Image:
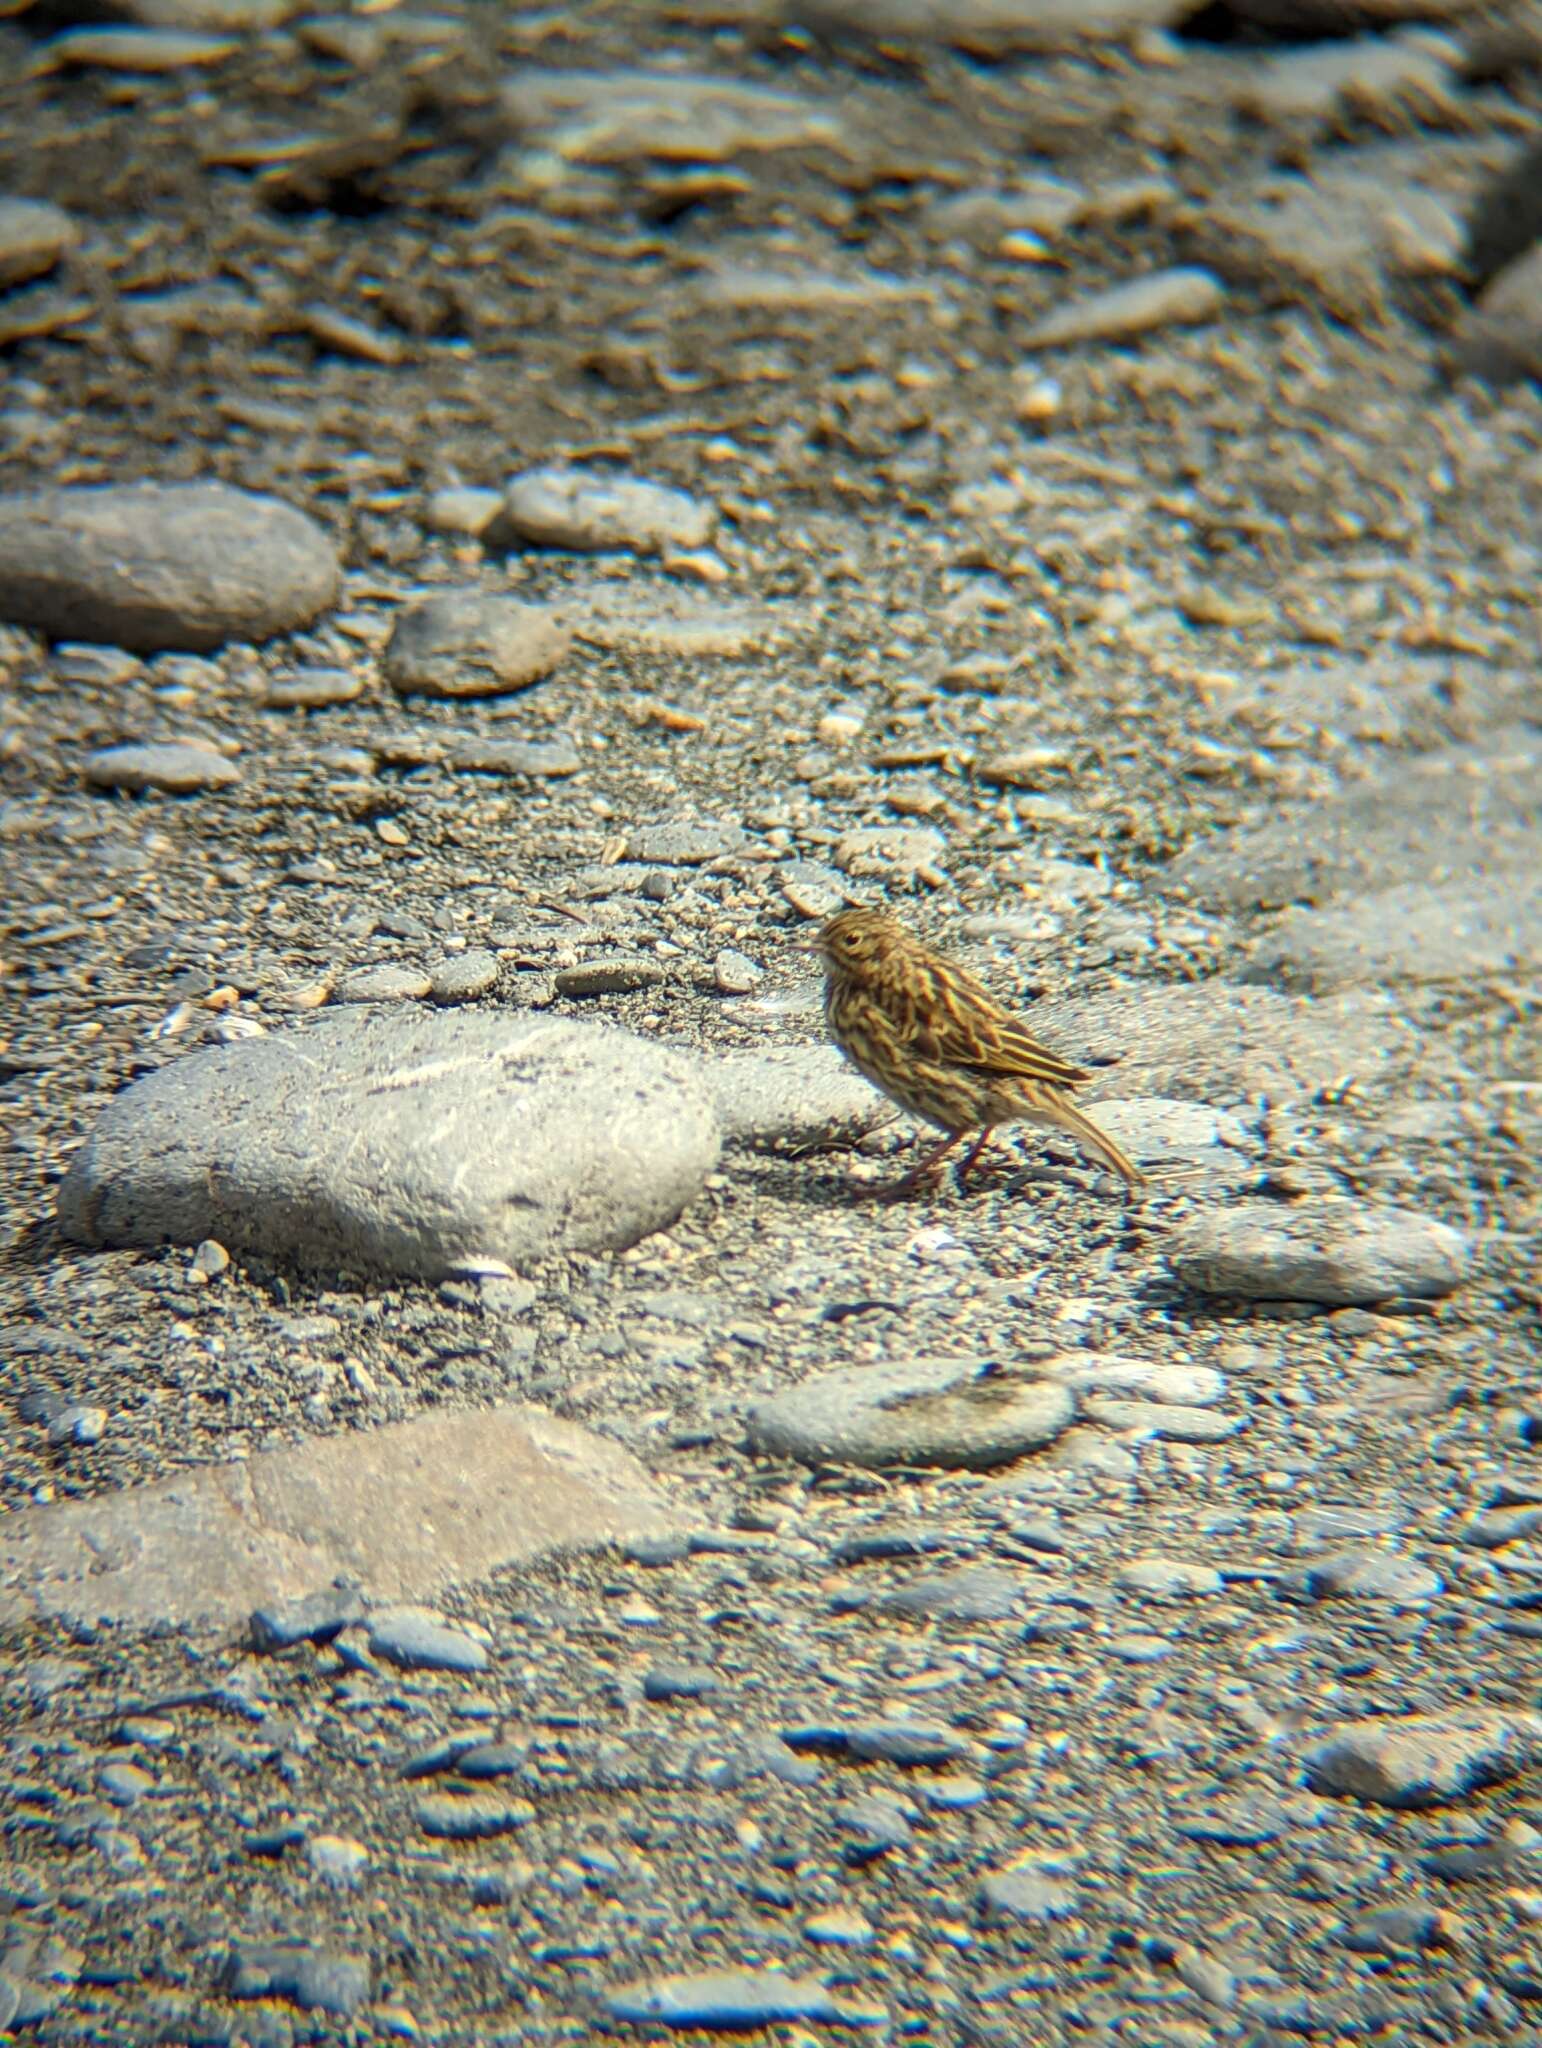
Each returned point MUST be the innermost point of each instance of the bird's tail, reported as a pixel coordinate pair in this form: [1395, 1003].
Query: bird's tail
[1099, 1144]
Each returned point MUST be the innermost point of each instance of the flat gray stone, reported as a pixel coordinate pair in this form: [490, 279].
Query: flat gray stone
[1169, 1578]
[1037, 1888]
[1144, 1380]
[1216, 1042]
[173, 767]
[1337, 1253]
[736, 2000]
[1419, 1760]
[798, 1097]
[404, 1510]
[34, 234]
[126, 48]
[1174, 1421]
[1480, 924]
[616, 116]
[1167, 298]
[590, 511]
[522, 760]
[313, 1978]
[913, 1412]
[985, 28]
[1365, 1572]
[1425, 819]
[472, 643]
[416, 1640]
[404, 1141]
[158, 567]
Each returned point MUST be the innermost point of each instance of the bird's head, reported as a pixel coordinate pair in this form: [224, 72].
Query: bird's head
[853, 939]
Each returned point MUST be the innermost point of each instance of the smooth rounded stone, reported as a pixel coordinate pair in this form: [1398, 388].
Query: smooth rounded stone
[912, 1412]
[405, 1141]
[972, 1593]
[388, 984]
[618, 975]
[417, 1640]
[469, 1493]
[1420, 1760]
[685, 842]
[1169, 1578]
[983, 28]
[463, 511]
[172, 767]
[590, 512]
[1336, 1253]
[1168, 298]
[1138, 1648]
[1140, 1379]
[890, 852]
[1401, 1931]
[525, 760]
[1167, 1420]
[839, 1927]
[34, 235]
[464, 978]
[679, 1682]
[337, 1860]
[1371, 1574]
[737, 2000]
[472, 643]
[313, 1978]
[1033, 1888]
[619, 116]
[308, 689]
[913, 1745]
[77, 1424]
[1474, 926]
[124, 1784]
[161, 567]
[870, 1827]
[797, 1098]
[1094, 1452]
[127, 48]
[472, 1815]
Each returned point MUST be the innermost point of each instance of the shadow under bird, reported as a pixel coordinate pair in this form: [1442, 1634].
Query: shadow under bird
[935, 1040]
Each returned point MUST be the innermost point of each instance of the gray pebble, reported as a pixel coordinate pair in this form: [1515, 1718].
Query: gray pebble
[1331, 1252]
[472, 643]
[420, 1641]
[589, 510]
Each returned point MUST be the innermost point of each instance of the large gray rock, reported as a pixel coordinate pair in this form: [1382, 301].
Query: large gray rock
[404, 1510]
[153, 567]
[1422, 820]
[1425, 1759]
[408, 1142]
[913, 1412]
[1337, 1253]
[1476, 926]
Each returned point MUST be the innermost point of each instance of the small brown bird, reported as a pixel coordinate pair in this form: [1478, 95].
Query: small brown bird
[938, 1043]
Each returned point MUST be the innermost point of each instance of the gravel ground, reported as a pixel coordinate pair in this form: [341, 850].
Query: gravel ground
[756, 460]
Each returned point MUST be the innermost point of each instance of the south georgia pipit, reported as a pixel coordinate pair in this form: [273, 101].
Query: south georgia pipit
[934, 1040]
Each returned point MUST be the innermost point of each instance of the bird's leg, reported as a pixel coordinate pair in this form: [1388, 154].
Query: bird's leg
[973, 1153]
[925, 1170]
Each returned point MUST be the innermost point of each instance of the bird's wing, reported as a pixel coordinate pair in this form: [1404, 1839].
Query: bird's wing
[960, 1024]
